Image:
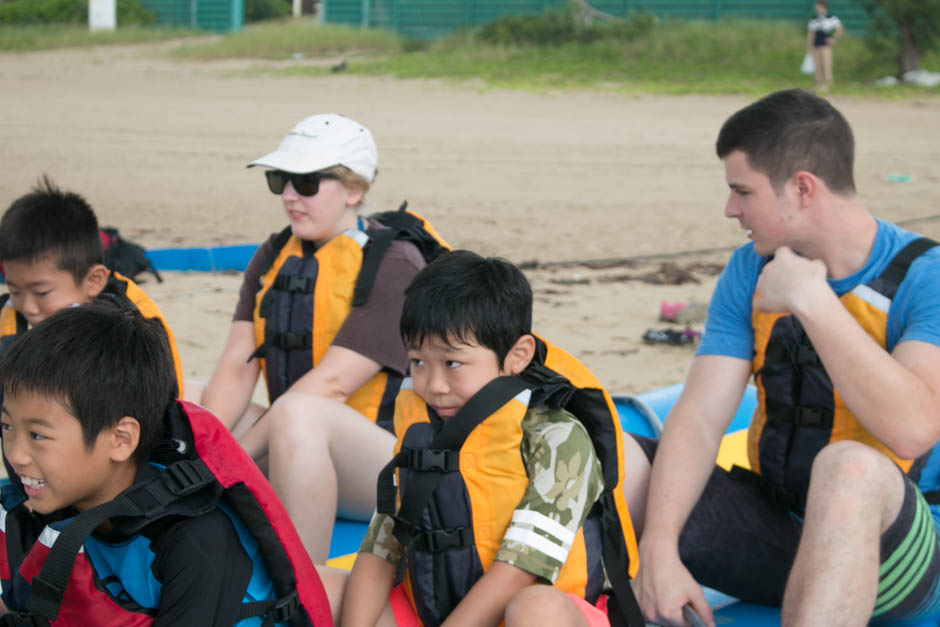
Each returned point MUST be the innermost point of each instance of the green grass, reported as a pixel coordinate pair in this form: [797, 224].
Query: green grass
[663, 56]
[29, 38]
[281, 40]
[674, 57]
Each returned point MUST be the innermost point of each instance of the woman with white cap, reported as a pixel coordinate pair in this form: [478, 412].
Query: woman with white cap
[332, 366]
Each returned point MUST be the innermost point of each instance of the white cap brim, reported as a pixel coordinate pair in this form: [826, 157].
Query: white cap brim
[293, 162]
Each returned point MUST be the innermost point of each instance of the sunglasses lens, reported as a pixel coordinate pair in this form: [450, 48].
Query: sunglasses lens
[306, 184]
[276, 181]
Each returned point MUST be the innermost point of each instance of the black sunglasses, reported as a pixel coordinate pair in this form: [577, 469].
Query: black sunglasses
[304, 184]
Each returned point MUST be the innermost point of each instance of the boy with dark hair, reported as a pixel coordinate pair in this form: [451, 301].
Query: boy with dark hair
[837, 316]
[52, 257]
[132, 516]
[509, 487]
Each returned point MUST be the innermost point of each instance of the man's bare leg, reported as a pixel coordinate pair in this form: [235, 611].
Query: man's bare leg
[855, 494]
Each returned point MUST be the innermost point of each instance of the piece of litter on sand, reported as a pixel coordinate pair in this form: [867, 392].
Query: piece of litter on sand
[671, 336]
[899, 178]
[683, 313]
[924, 78]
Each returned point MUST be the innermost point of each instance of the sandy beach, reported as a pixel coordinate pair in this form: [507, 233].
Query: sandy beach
[629, 184]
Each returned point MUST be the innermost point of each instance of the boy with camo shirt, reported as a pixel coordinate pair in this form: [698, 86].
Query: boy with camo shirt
[509, 532]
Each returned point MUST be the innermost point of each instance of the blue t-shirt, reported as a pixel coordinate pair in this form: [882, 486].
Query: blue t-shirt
[914, 312]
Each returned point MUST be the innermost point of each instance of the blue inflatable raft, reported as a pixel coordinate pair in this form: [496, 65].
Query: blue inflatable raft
[643, 415]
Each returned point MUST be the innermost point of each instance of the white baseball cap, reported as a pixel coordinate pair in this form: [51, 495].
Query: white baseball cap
[322, 141]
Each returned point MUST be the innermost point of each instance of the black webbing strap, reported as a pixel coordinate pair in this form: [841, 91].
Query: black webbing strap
[888, 281]
[617, 563]
[274, 611]
[793, 499]
[22, 619]
[932, 497]
[294, 283]
[453, 433]
[440, 540]
[379, 241]
[145, 500]
[279, 242]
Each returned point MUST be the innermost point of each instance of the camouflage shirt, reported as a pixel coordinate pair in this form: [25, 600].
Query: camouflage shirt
[565, 481]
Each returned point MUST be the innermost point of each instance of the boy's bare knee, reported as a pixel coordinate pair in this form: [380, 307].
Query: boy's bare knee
[541, 605]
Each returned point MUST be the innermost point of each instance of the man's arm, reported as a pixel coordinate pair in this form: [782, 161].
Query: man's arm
[684, 460]
[896, 395]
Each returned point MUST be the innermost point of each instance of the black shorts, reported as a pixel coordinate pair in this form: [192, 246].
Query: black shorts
[740, 542]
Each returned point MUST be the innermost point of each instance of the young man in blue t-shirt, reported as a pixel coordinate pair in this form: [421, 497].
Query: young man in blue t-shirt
[836, 315]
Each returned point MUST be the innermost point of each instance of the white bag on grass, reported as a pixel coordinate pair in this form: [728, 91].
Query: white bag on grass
[808, 67]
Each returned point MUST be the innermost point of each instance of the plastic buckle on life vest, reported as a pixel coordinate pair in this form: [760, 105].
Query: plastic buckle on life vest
[443, 539]
[283, 609]
[810, 417]
[186, 477]
[294, 283]
[289, 341]
[807, 355]
[427, 459]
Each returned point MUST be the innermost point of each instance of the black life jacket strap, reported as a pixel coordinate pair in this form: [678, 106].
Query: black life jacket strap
[146, 501]
[891, 277]
[440, 540]
[626, 610]
[932, 497]
[293, 283]
[274, 611]
[22, 619]
[279, 242]
[452, 435]
[379, 241]
[792, 499]
[284, 340]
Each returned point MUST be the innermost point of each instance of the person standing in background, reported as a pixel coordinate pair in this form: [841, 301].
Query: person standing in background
[822, 32]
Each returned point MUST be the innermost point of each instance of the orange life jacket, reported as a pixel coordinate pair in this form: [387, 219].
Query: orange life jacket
[308, 292]
[798, 410]
[459, 482]
[12, 323]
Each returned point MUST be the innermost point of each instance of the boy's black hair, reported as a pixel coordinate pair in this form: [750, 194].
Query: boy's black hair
[792, 130]
[102, 362]
[463, 296]
[50, 222]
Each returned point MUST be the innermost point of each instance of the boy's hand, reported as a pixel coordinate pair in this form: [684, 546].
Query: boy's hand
[788, 282]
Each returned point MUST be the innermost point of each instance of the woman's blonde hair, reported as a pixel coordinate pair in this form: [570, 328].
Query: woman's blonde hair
[351, 180]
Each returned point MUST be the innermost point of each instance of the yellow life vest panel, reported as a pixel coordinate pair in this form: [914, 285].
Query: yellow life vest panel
[798, 410]
[452, 487]
[307, 293]
[12, 323]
